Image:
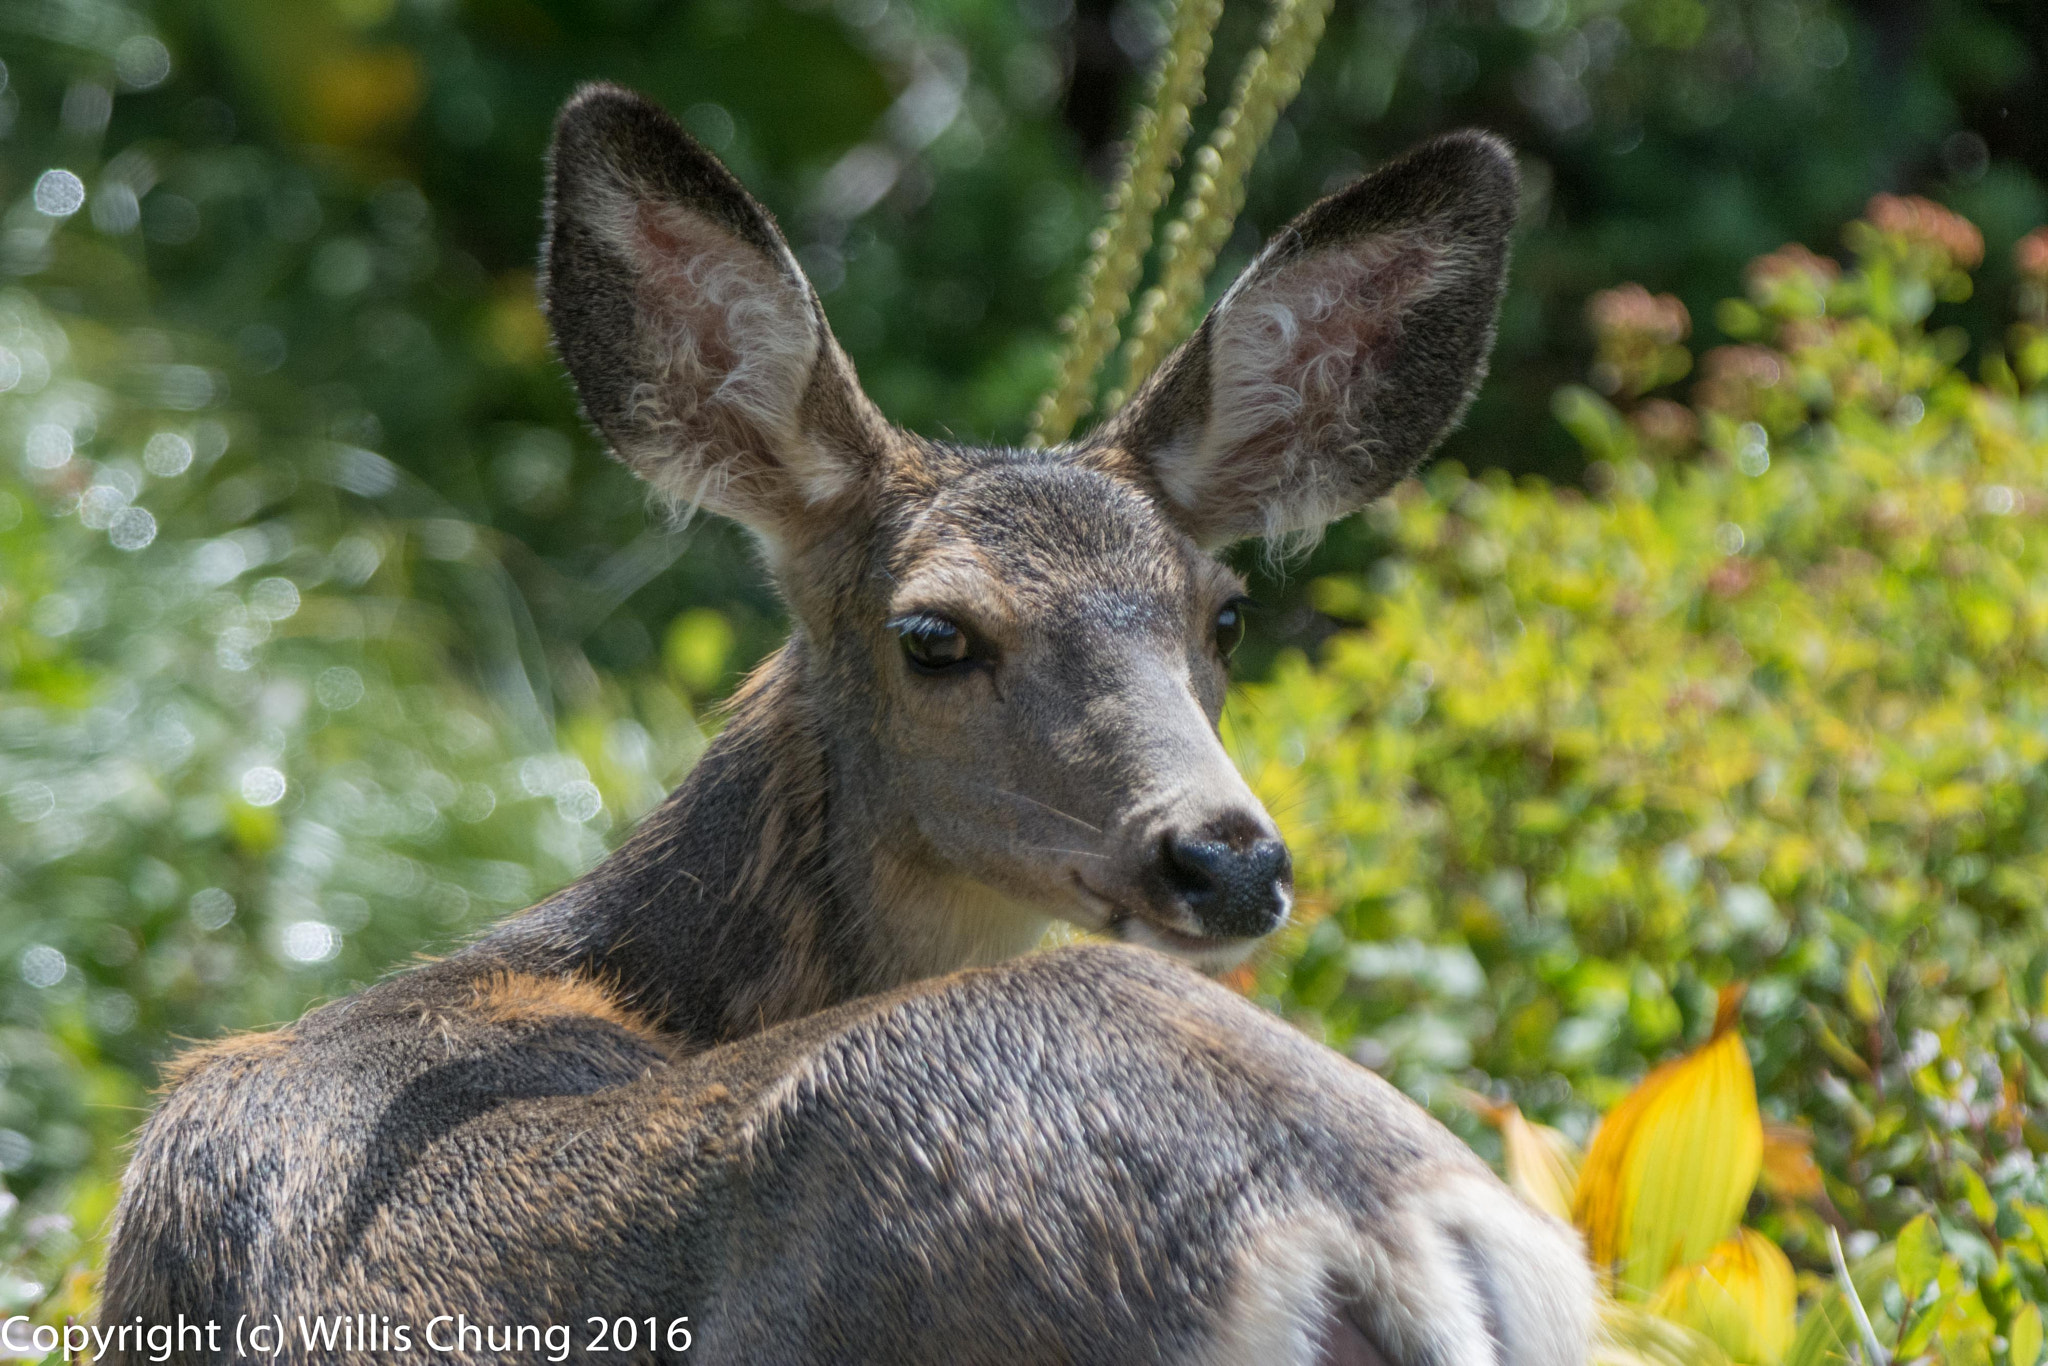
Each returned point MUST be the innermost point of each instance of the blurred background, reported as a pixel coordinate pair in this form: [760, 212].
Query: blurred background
[328, 632]
[343, 195]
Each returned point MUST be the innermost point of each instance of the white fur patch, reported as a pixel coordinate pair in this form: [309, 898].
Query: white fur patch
[1216, 958]
[1460, 1260]
[1539, 1282]
[1277, 1306]
[940, 924]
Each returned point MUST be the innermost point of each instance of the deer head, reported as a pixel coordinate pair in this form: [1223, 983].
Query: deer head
[1016, 659]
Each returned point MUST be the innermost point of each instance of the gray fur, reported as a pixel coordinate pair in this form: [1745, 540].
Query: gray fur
[1453, 199]
[770, 1065]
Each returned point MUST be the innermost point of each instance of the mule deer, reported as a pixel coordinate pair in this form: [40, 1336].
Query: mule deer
[738, 1073]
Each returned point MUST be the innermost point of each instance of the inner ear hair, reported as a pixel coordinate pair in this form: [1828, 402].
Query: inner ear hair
[1340, 358]
[697, 346]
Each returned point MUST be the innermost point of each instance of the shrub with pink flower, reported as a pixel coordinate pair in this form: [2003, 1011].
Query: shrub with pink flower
[1639, 340]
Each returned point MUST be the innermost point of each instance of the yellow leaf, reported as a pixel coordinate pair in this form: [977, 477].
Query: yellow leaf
[1789, 1171]
[1542, 1164]
[2023, 1343]
[1742, 1297]
[1629, 1335]
[1673, 1165]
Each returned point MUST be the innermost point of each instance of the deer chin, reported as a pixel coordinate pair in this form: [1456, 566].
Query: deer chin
[1197, 951]
[1206, 953]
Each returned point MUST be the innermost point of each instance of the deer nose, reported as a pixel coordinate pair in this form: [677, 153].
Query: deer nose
[1236, 888]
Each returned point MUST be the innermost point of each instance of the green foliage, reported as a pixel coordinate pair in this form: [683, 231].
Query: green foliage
[1770, 708]
[1577, 762]
[1667, 142]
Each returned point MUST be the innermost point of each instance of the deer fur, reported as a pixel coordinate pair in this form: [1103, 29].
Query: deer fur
[782, 1063]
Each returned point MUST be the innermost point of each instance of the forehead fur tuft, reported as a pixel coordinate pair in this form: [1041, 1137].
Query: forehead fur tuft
[1046, 525]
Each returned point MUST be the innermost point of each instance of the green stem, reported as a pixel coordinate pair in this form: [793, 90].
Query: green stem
[1267, 85]
[1120, 244]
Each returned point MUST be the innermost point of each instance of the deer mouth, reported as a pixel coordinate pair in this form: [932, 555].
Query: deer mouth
[1211, 953]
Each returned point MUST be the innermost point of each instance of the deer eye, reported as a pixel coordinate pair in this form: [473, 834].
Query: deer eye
[932, 644]
[1230, 626]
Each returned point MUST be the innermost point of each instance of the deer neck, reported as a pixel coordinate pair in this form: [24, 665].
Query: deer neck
[762, 890]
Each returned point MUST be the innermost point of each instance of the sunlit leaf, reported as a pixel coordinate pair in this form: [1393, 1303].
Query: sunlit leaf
[1671, 1168]
[1976, 1195]
[1919, 1256]
[1630, 1335]
[699, 648]
[1542, 1164]
[2037, 1223]
[2023, 1342]
[1919, 1328]
[1742, 1297]
[255, 829]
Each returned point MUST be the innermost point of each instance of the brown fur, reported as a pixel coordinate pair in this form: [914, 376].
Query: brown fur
[236, 1050]
[511, 997]
[781, 1063]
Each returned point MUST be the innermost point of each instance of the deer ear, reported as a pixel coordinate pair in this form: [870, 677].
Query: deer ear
[696, 344]
[1341, 356]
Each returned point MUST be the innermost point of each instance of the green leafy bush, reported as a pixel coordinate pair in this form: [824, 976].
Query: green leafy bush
[1772, 706]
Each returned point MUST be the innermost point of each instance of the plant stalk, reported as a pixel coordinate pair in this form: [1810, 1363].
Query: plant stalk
[1121, 243]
